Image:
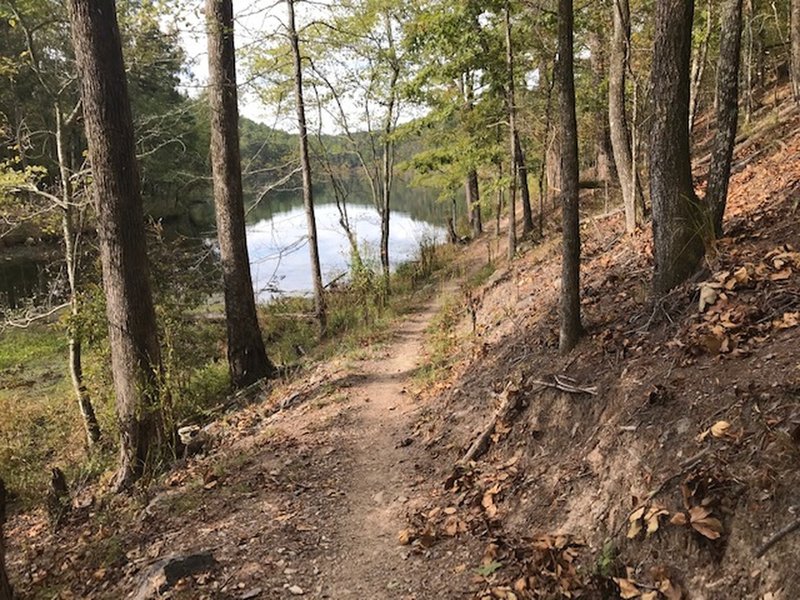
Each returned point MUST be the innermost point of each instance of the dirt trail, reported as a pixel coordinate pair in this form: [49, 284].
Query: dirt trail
[369, 561]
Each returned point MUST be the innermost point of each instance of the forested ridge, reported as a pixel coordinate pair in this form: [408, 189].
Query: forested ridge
[582, 383]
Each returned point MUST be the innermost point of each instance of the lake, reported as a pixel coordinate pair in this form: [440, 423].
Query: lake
[276, 240]
[276, 237]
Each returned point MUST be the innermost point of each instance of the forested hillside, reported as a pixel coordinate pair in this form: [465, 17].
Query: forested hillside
[404, 300]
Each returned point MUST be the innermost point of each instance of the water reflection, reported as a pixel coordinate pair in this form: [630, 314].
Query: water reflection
[279, 253]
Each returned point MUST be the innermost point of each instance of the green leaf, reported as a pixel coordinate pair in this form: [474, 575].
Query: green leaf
[490, 569]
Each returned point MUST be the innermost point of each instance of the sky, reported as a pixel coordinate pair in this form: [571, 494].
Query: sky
[253, 23]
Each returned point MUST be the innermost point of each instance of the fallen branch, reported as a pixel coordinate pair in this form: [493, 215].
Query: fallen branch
[790, 528]
[512, 399]
[563, 385]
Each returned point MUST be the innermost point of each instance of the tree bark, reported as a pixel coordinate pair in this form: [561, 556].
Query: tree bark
[70, 254]
[6, 592]
[795, 42]
[570, 305]
[305, 164]
[602, 137]
[135, 353]
[474, 203]
[698, 70]
[618, 119]
[727, 111]
[680, 226]
[512, 134]
[525, 191]
[247, 358]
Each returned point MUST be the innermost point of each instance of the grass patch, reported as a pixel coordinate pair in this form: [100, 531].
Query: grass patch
[442, 343]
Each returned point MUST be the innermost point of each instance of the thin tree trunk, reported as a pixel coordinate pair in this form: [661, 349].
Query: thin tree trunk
[500, 201]
[794, 35]
[70, 254]
[6, 592]
[602, 137]
[247, 358]
[474, 203]
[305, 164]
[618, 119]
[749, 63]
[570, 305]
[388, 155]
[679, 224]
[525, 192]
[512, 135]
[548, 123]
[698, 69]
[135, 353]
[727, 110]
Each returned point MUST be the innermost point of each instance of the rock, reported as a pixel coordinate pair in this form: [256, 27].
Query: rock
[248, 595]
[296, 590]
[165, 573]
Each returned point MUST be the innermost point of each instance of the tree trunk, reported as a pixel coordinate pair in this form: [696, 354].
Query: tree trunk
[474, 203]
[795, 42]
[512, 135]
[679, 224]
[388, 154]
[602, 136]
[135, 353]
[247, 358]
[305, 163]
[727, 110]
[525, 192]
[570, 305]
[618, 119]
[698, 70]
[6, 592]
[70, 254]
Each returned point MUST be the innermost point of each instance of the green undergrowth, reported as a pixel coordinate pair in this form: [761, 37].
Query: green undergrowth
[42, 427]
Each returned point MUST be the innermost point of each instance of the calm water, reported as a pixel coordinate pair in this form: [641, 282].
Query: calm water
[279, 252]
[276, 240]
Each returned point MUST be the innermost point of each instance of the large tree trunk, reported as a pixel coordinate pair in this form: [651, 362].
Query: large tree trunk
[618, 119]
[679, 223]
[247, 358]
[474, 203]
[135, 354]
[795, 42]
[305, 164]
[512, 135]
[525, 191]
[71, 257]
[727, 110]
[6, 592]
[570, 305]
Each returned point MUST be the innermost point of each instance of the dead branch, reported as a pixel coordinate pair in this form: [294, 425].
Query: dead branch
[561, 383]
[790, 528]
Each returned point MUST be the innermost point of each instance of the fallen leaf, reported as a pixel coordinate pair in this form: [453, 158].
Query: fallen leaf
[489, 569]
[627, 588]
[781, 275]
[720, 429]
[635, 521]
[789, 320]
[651, 518]
[670, 590]
[708, 296]
[404, 537]
[679, 519]
[704, 523]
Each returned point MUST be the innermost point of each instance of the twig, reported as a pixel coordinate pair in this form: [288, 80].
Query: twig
[563, 386]
[790, 528]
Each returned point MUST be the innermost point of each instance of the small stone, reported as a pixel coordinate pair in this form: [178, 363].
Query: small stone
[296, 590]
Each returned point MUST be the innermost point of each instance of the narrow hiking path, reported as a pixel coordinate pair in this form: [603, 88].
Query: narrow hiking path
[369, 561]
